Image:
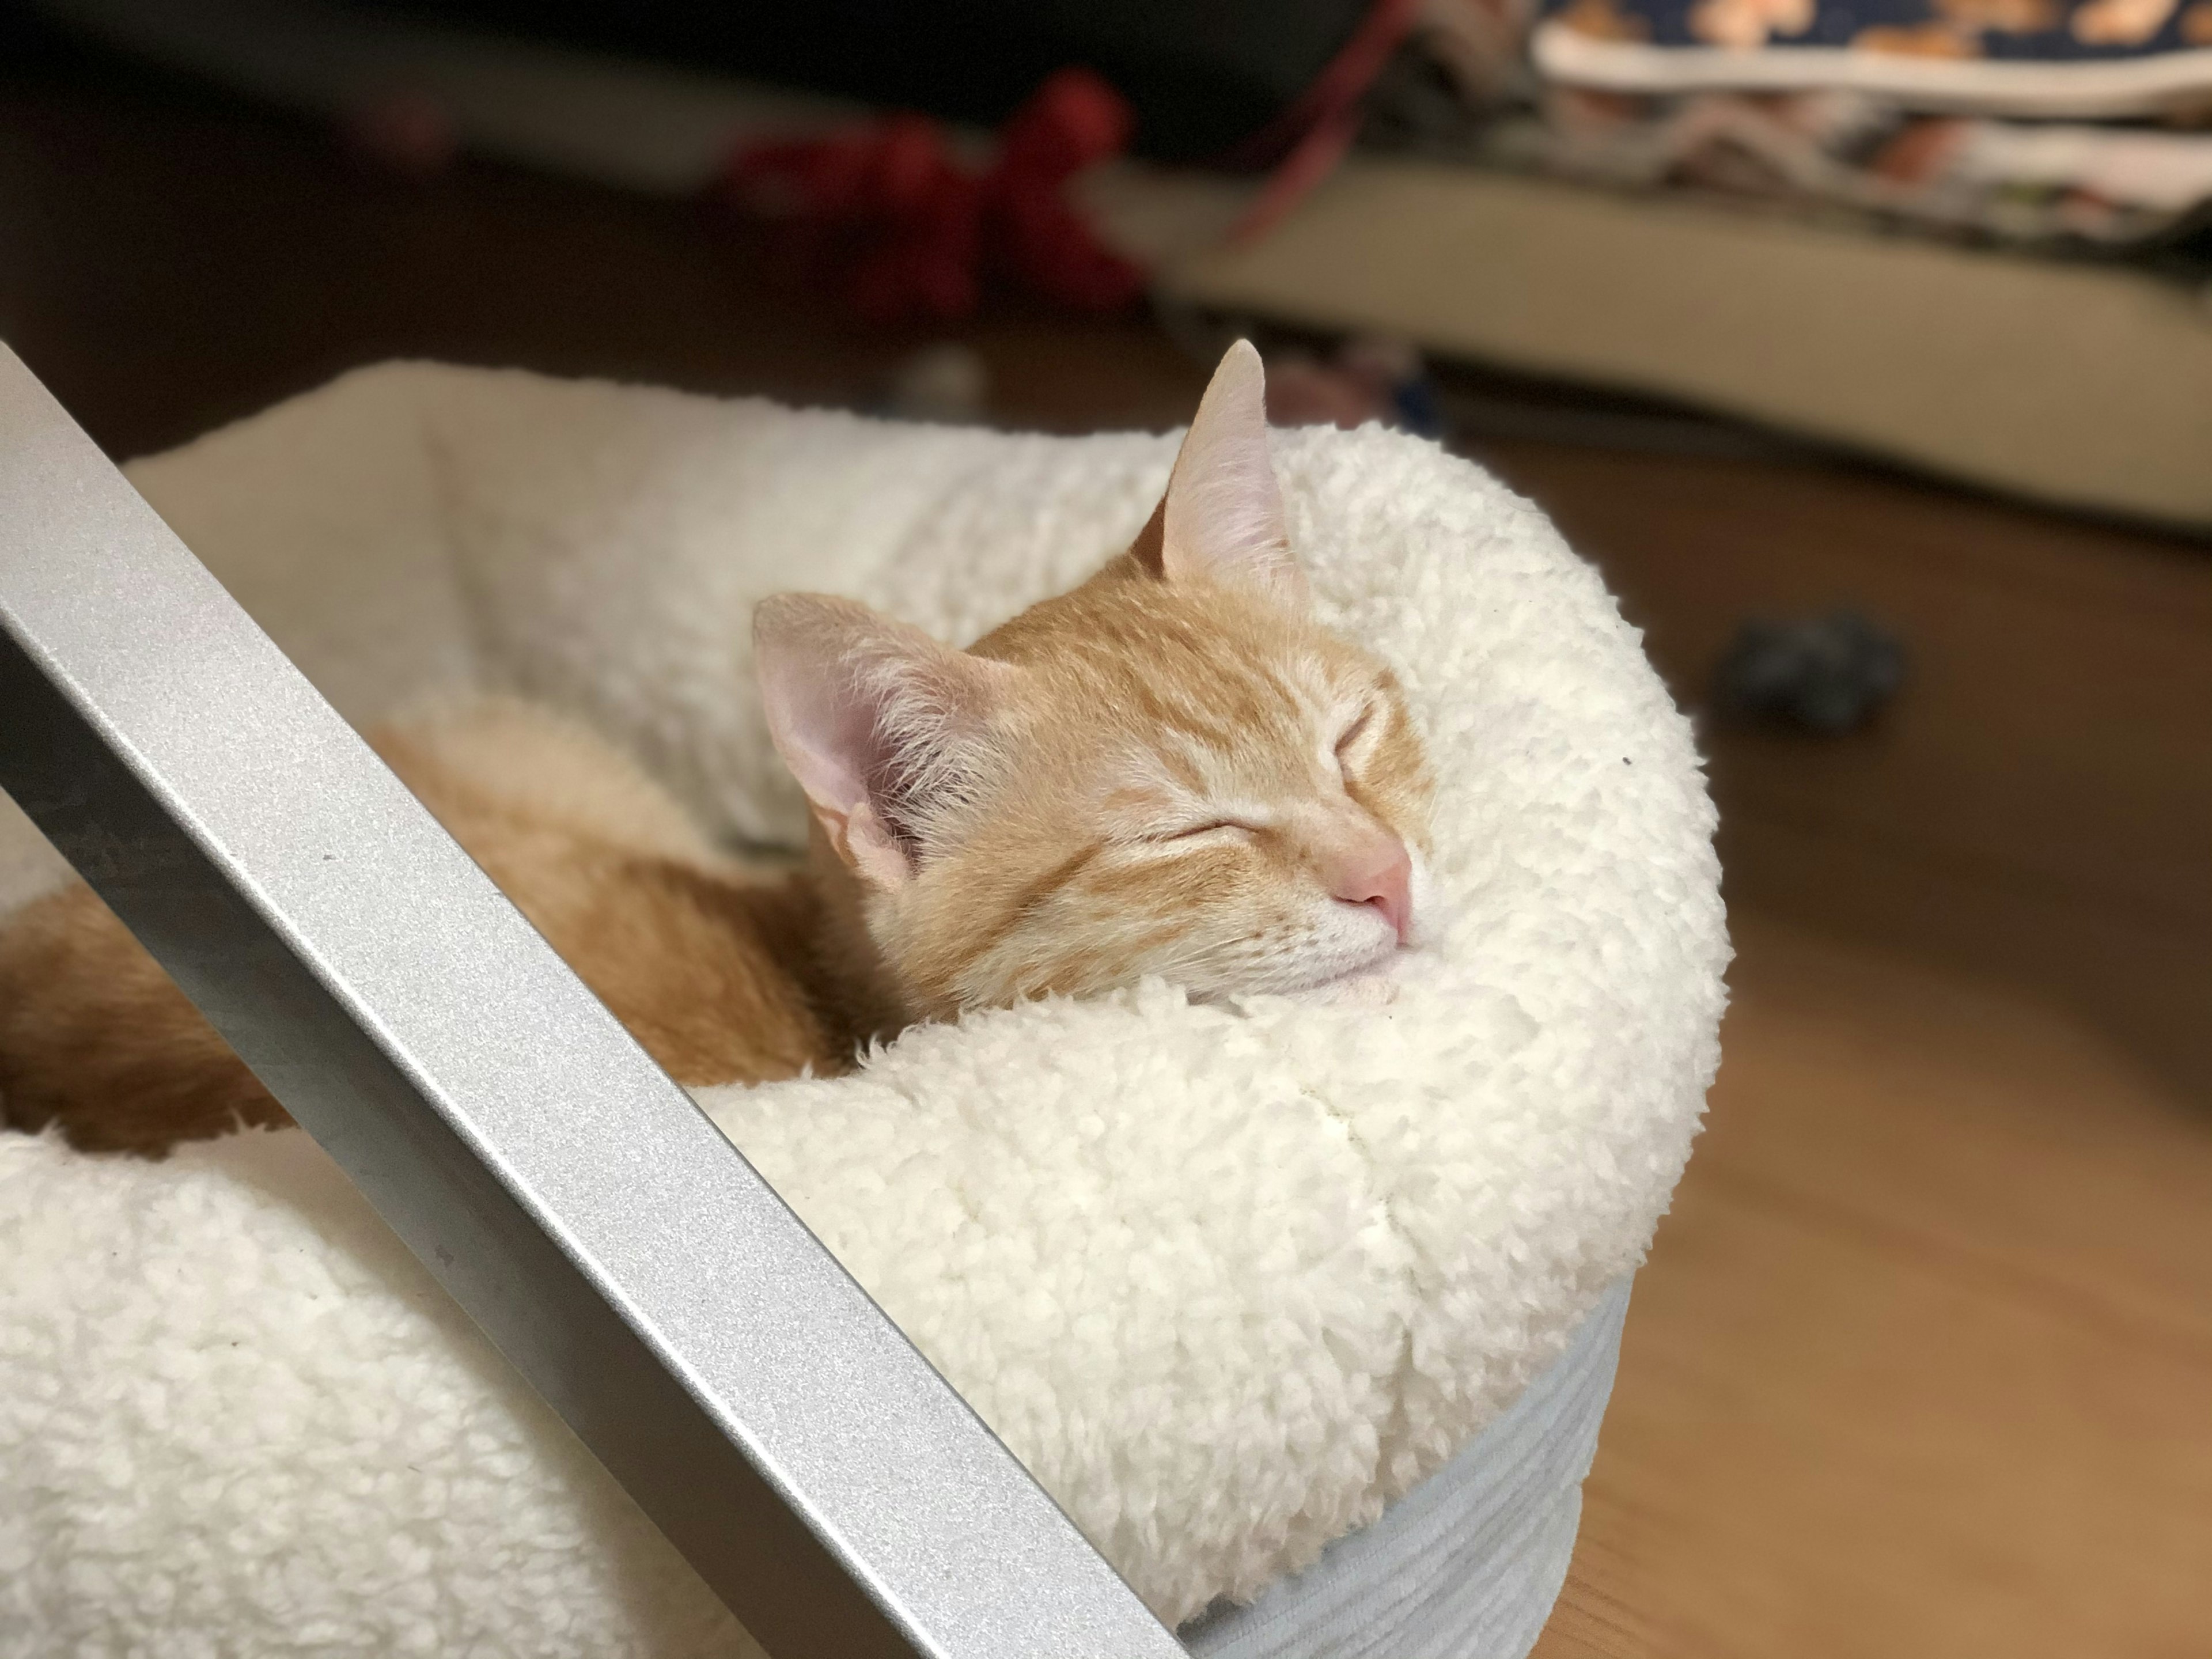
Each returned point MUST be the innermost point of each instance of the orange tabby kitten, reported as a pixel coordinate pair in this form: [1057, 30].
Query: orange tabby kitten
[1173, 770]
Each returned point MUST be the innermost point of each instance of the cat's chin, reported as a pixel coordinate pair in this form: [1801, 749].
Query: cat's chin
[1369, 981]
[1370, 984]
[1365, 987]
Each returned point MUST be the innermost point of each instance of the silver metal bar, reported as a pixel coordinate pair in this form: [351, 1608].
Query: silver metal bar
[829, 1485]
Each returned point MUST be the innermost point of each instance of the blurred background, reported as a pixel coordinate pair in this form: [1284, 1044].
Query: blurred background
[1867, 352]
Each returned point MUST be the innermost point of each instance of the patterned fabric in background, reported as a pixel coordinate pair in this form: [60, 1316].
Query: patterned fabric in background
[1803, 104]
[1942, 31]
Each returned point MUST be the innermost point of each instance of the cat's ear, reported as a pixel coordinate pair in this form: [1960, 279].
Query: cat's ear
[1222, 519]
[877, 720]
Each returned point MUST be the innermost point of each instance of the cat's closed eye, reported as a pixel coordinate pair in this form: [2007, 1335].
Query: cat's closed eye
[1357, 730]
[1210, 826]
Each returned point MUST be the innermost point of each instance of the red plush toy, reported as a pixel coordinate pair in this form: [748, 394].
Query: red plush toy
[908, 232]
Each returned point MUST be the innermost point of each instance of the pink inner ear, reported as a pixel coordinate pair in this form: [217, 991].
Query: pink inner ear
[865, 711]
[826, 733]
[1224, 512]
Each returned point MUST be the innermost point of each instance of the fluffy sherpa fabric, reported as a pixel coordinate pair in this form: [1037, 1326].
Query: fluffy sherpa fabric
[1470, 1563]
[1229, 1280]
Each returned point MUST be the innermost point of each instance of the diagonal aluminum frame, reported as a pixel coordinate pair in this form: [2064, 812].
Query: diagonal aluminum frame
[824, 1480]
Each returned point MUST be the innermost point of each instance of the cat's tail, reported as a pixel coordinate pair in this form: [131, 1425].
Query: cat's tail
[97, 1042]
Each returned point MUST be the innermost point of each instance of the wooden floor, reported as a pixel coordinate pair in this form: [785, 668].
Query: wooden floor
[2037, 805]
[1922, 1364]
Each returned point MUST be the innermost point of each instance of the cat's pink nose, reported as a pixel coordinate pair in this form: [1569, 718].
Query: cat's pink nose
[1383, 879]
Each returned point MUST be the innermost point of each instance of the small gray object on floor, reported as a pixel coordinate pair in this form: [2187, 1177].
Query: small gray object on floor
[949, 384]
[1828, 674]
[1467, 1564]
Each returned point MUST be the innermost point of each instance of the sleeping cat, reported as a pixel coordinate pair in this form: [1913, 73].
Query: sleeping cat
[1173, 770]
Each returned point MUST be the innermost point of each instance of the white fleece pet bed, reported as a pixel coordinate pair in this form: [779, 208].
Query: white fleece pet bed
[1234, 1282]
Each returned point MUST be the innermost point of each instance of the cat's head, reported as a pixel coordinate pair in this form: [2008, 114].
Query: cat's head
[1173, 769]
